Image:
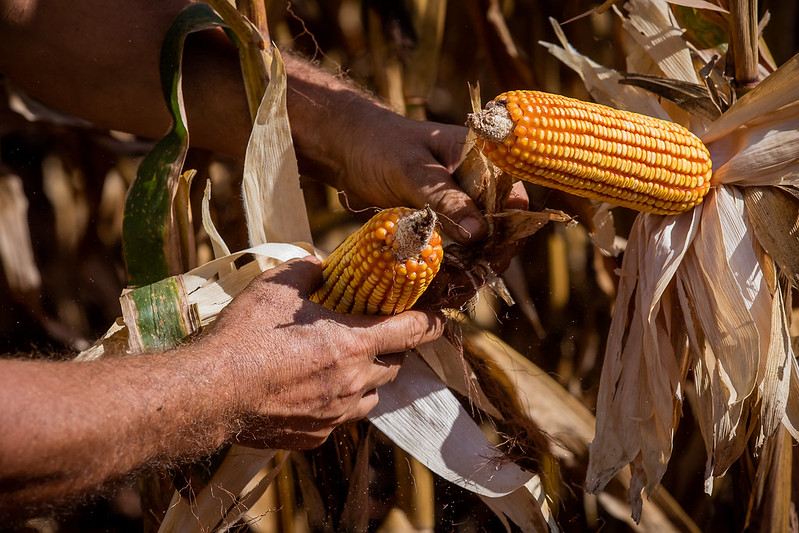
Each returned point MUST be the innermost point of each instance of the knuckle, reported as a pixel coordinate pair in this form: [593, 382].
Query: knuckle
[416, 330]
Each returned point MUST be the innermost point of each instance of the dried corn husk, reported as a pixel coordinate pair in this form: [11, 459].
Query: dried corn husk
[16, 250]
[699, 281]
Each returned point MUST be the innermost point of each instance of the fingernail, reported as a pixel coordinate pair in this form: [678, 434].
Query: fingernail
[470, 228]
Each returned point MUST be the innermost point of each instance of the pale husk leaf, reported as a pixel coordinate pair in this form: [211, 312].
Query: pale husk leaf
[526, 507]
[760, 153]
[447, 361]
[640, 380]
[113, 342]
[651, 24]
[16, 250]
[772, 93]
[774, 214]
[724, 279]
[273, 199]
[728, 312]
[791, 419]
[602, 82]
[422, 416]
[775, 386]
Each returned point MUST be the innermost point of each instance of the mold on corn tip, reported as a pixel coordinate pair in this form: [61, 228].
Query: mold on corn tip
[385, 266]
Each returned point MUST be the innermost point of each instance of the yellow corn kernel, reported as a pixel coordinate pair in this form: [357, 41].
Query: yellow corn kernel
[383, 267]
[594, 151]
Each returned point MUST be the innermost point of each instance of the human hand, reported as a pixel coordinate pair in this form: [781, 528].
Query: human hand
[298, 370]
[412, 164]
[388, 160]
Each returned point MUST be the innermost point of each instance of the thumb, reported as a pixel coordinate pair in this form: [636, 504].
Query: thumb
[459, 215]
[398, 333]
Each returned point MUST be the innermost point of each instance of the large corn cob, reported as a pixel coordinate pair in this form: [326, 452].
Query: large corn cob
[594, 151]
[385, 266]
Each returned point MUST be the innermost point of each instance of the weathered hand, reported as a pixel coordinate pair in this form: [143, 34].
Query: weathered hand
[407, 162]
[298, 369]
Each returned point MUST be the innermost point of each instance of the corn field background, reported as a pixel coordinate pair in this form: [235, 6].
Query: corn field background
[74, 179]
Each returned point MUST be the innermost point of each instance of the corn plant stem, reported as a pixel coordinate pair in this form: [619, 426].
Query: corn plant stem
[255, 11]
[744, 42]
[422, 70]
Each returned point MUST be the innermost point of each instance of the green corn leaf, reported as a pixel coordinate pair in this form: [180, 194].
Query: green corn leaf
[159, 315]
[151, 239]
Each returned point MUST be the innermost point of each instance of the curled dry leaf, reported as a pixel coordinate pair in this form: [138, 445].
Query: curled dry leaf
[774, 213]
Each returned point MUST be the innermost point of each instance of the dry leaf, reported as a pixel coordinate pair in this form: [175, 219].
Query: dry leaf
[420, 414]
[273, 199]
[16, 250]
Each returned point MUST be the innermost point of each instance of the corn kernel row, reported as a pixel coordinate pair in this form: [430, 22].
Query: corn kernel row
[376, 272]
[595, 151]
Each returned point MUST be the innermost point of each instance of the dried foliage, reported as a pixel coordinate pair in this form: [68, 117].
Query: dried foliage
[62, 191]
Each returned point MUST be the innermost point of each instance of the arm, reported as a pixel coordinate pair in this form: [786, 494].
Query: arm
[98, 59]
[275, 369]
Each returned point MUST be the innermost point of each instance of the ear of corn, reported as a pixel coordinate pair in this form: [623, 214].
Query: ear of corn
[385, 266]
[594, 151]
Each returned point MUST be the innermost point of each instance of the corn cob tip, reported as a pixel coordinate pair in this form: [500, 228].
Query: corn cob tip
[494, 123]
[414, 232]
[385, 266]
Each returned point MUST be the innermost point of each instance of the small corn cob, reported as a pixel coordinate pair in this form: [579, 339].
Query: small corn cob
[383, 267]
[594, 151]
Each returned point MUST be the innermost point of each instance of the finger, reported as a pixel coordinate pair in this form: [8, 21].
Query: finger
[384, 370]
[304, 274]
[367, 402]
[398, 333]
[518, 198]
[458, 213]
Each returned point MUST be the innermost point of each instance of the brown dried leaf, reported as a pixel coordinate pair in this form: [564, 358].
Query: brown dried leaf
[519, 224]
[693, 97]
[774, 213]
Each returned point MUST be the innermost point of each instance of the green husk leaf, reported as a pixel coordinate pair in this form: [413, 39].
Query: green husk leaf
[158, 315]
[705, 28]
[151, 238]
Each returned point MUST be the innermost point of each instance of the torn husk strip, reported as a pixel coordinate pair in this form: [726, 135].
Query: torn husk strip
[457, 450]
[217, 242]
[273, 199]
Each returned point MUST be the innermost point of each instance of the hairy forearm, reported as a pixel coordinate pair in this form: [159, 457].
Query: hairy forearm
[324, 111]
[98, 59]
[70, 428]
